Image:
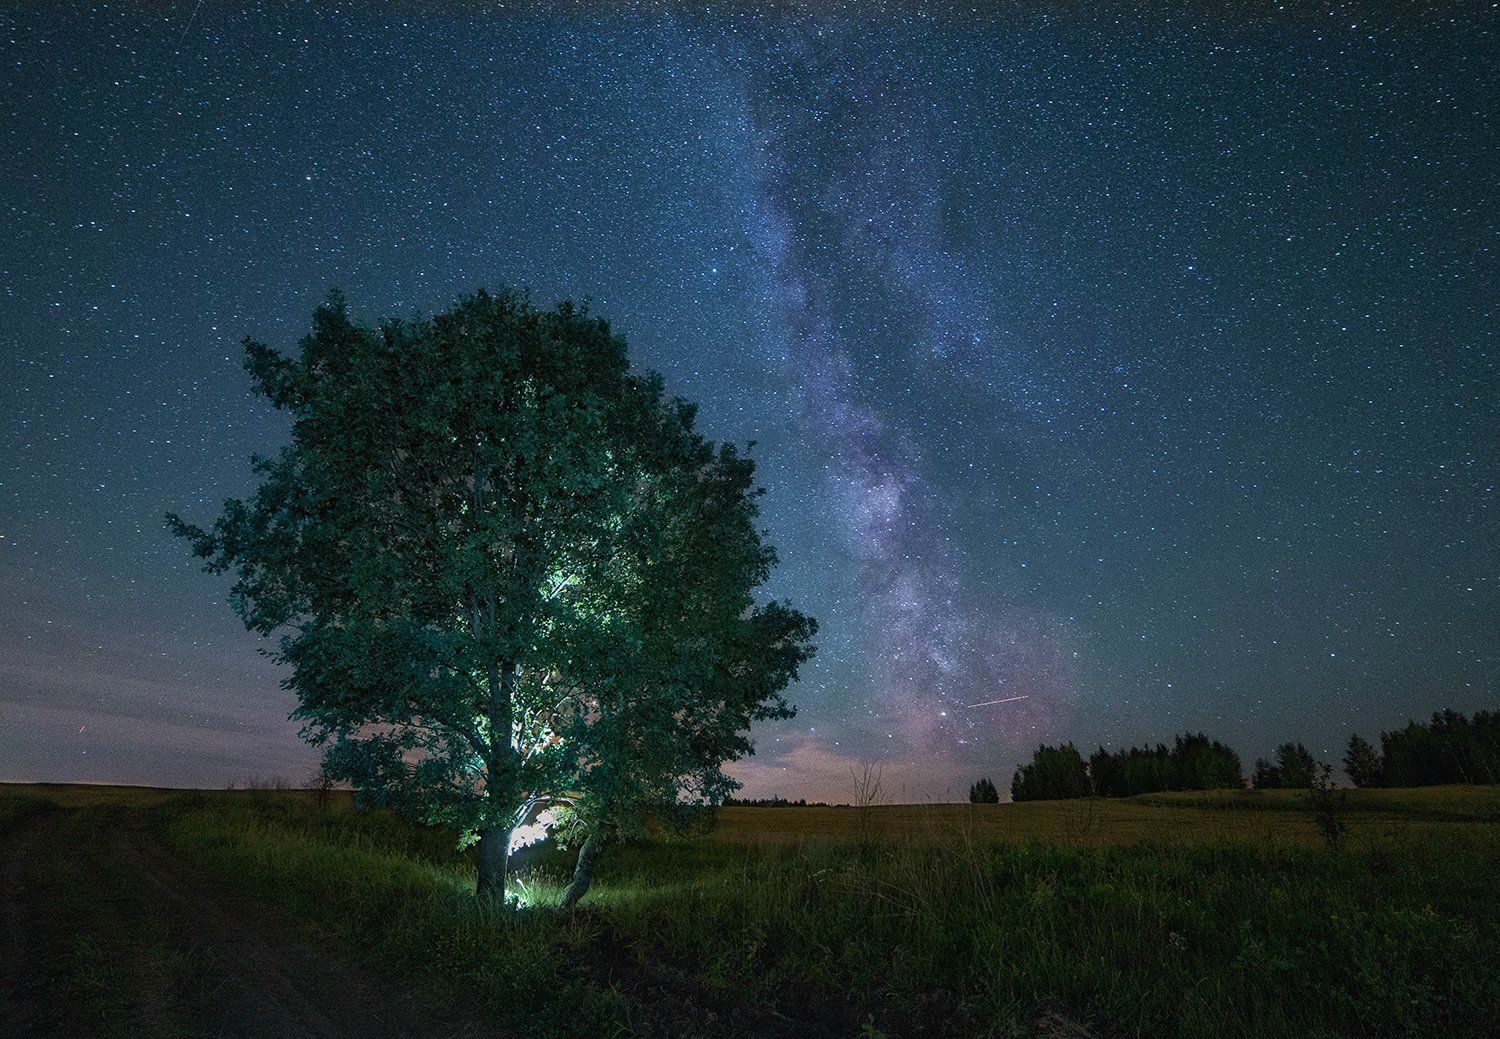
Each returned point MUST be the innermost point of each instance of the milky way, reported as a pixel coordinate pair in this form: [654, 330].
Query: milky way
[860, 205]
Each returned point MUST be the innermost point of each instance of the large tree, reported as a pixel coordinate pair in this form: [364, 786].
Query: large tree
[683, 658]
[452, 552]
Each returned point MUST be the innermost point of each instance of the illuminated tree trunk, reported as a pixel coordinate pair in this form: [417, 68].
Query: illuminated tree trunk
[494, 860]
[494, 841]
[583, 872]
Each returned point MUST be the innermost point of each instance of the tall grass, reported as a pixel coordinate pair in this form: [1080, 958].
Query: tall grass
[1394, 937]
[1209, 941]
[373, 883]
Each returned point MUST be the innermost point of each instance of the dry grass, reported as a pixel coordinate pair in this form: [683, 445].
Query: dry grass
[83, 795]
[1214, 817]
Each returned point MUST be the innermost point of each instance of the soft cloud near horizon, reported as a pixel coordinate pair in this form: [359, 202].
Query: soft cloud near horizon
[70, 745]
[117, 695]
[804, 766]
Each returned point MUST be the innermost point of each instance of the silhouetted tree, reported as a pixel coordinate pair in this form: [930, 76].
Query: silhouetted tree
[1362, 763]
[983, 792]
[1194, 762]
[1266, 776]
[1148, 769]
[1203, 764]
[1054, 773]
[1451, 748]
[321, 783]
[1296, 766]
[1107, 774]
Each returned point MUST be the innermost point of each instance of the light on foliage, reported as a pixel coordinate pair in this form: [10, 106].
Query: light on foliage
[527, 834]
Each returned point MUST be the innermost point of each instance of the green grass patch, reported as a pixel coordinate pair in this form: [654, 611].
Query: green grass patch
[1163, 941]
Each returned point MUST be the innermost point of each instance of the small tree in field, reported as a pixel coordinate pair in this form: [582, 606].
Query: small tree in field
[984, 793]
[1328, 805]
[450, 552]
[868, 780]
[321, 784]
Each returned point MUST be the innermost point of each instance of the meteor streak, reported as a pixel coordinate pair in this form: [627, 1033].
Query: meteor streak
[1008, 699]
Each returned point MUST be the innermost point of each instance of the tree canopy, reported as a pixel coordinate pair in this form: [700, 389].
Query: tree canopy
[983, 792]
[505, 571]
[1193, 762]
[1362, 763]
[1295, 769]
[1451, 748]
[1054, 773]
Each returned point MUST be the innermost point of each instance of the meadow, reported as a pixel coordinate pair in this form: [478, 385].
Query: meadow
[1191, 915]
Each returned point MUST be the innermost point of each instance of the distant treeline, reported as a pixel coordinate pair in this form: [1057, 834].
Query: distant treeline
[772, 802]
[1450, 749]
[1193, 762]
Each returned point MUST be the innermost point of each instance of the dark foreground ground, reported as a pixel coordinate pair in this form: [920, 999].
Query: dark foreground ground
[107, 932]
[145, 913]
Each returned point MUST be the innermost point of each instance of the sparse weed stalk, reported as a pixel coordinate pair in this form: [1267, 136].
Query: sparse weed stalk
[1329, 806]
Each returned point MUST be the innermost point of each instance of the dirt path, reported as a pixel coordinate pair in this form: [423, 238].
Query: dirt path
[246, 973]
[16, 923]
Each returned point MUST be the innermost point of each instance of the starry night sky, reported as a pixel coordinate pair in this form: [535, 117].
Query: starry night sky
[1140, 365]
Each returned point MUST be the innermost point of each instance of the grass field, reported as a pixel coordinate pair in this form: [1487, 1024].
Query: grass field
[146, 913]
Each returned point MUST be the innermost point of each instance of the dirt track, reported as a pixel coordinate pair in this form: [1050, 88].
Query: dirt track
[16, 981]
[241, 972]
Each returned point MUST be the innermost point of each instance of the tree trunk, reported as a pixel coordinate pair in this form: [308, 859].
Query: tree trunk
[583, 872]
[494, 861]
[494, 842]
